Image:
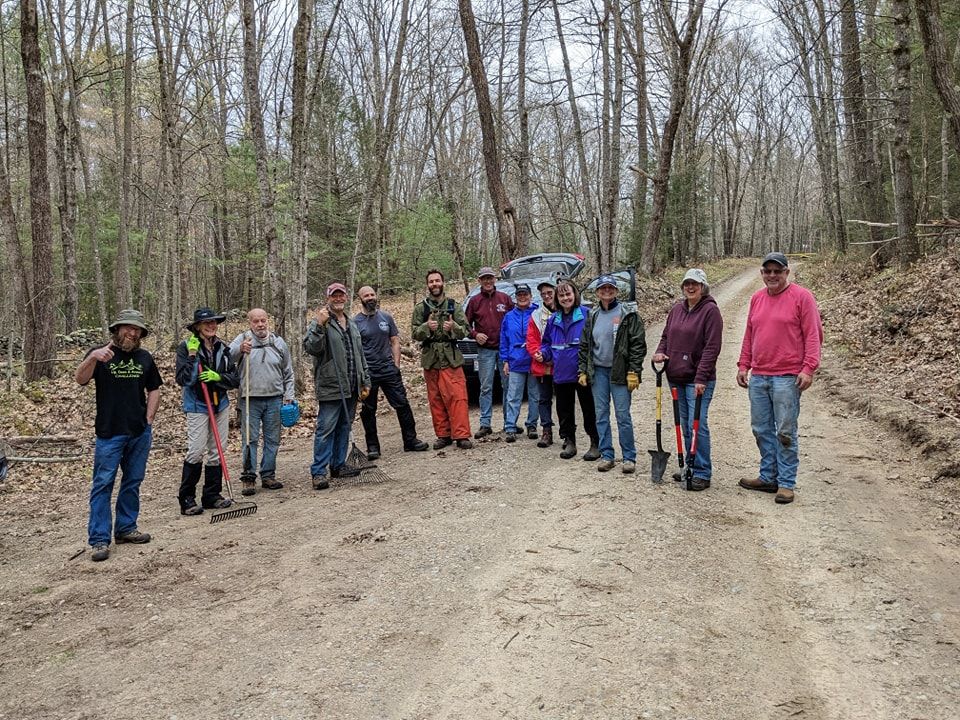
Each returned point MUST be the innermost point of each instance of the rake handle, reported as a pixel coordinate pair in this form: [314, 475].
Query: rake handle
[216, 432]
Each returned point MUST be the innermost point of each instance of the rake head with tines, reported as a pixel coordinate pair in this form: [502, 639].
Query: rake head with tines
[358, 458]
[370, 475]
[234, 511]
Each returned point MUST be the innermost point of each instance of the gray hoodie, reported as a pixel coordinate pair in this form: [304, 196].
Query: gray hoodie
[268, 363]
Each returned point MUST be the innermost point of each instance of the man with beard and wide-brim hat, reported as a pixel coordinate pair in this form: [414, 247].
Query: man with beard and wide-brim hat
[128, 395]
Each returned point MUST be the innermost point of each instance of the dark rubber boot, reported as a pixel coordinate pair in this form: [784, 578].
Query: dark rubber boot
[593, 453]
[187, 496]
[569, 450]
[212, 486]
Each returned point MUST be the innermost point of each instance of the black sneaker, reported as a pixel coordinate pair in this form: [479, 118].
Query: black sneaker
[373, 453]
[134, 536]
[532, 433]
[441, 443]
[677, 477]
[482, 432]
[699, 484]
[511, 437]
[100, 553]
[415, 445]
[344, 471]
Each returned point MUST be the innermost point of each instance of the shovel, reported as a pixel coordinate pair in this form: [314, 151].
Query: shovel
[659, 457]
[688, 473]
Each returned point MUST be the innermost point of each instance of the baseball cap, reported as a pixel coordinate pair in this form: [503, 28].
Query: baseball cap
[486, 271]
[547, 283]
[695, 274]
[606, 280]
[522, 288]
[778, 257]
[336, 287]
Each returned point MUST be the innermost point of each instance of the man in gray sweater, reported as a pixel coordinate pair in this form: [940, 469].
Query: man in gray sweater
[266, 384]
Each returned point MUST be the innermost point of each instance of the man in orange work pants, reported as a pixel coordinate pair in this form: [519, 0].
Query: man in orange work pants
[438, 322]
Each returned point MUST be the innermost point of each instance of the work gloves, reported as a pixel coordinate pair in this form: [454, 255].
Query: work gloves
[193, 344]
[633, 381]
[582, 379]
[210, 376]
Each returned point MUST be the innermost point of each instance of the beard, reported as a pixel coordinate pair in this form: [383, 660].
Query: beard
[125, 343]
[436, 291]
[370, 306]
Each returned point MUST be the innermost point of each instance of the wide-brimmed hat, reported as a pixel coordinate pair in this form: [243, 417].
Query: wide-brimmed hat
[202, 315]
[778, 257]
[130, 317]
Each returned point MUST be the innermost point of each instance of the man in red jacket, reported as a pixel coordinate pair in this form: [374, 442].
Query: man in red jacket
[485, 312]
[778, 357]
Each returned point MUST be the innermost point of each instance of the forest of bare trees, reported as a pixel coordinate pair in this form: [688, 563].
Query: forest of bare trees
[169, 153]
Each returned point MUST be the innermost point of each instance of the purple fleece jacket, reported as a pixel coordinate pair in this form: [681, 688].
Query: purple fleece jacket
[561, 343]
[692, 339]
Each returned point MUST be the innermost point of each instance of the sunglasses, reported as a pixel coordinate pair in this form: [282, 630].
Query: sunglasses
[773, 271]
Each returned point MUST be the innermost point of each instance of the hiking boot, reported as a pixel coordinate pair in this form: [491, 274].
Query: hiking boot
[698, 484]
[221, 503]
[344, 471]
[758, 484]
[511, 437]
[569, 450]
[270, 483]
[441, 443]
[320, 482]
[190, 507]
[415, 445]
[466, 444]
[249, 487]
[482, 432]
[373, 453]
[605, 466]
[100, 552]
[677, 477]
[134, 536]
[593, 453]
[629, 467]
[784, 496]
[546, 439]
[532, 432]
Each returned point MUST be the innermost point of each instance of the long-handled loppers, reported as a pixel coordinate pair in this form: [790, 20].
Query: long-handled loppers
[237, 509]
[659, 457]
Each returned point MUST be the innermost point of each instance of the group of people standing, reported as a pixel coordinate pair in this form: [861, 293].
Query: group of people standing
[561, 353]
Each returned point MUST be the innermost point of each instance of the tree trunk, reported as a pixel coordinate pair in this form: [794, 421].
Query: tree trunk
[502, 207]
[523, 156]
[39, 334]
[679, 88]
[943, 74]
[251, 81]
[122, 266]
[902, 163]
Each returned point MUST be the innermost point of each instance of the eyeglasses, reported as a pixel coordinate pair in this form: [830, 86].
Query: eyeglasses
[773, 271]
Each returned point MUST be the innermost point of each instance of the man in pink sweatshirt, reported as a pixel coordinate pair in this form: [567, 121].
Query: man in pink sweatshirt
[778, 357]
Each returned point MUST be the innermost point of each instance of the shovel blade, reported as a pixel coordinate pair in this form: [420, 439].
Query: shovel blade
[658, 464]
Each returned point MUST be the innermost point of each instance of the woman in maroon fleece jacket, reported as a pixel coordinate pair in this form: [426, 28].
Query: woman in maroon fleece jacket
[690, 346]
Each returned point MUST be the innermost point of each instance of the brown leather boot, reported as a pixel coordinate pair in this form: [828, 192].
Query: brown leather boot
[546, 438]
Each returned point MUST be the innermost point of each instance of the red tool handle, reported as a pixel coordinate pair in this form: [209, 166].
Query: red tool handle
[213, 428]
[696, 427]
[676, 420]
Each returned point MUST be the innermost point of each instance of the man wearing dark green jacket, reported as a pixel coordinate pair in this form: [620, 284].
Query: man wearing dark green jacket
[610, 360]
[438, 322]
[340, 377]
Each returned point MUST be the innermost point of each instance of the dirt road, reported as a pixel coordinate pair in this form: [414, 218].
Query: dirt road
[503, 582]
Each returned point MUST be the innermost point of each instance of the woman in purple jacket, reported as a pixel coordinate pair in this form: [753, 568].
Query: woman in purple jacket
[690, 346]
[561, 345]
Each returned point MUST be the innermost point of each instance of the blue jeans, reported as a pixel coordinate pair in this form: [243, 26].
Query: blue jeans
[603, 390]
[516, 382]
[687, 393]
[265, 411]
[488, 364]
[129, 455]
[332, 436]
[774, 409]
[545, 406]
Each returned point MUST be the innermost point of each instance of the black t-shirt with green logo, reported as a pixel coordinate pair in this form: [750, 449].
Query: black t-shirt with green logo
[122, 385]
